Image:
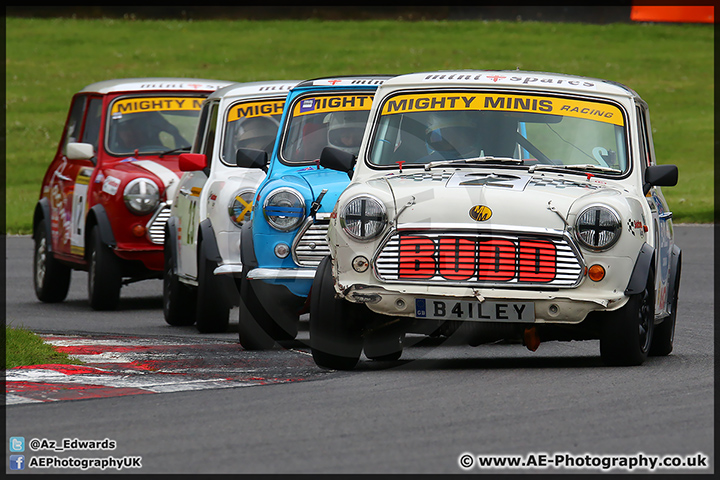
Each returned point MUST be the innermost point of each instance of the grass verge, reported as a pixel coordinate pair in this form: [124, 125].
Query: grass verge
[24, 348]
[47, 60]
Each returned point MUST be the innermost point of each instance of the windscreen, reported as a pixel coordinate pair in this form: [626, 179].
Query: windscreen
[152, 124]
[319, 121]
[251, 125]
[419, 128]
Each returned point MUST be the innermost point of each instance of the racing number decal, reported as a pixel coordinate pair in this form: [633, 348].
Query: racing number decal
[79, 212]
[190, 230]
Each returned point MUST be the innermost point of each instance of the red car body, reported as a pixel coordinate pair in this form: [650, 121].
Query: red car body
[106, 194]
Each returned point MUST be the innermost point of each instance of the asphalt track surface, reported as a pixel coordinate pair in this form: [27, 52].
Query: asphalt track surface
[174, 401]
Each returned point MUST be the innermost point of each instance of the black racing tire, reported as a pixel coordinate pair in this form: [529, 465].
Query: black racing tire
[104, 274]
[335, 337]
[179, 299]
[664, 334]
[51, 278]
[212, 311]
[253, 322]
[626, 334]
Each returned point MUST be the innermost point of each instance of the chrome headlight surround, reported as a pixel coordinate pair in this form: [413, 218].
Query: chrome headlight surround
[141, 196]
[284, 209]
[363, 217]
[598, 227]
[241, 206]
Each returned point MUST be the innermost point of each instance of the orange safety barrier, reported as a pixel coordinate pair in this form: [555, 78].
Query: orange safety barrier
[677, 14]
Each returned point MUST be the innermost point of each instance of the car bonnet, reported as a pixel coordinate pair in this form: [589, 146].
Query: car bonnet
[455, 197]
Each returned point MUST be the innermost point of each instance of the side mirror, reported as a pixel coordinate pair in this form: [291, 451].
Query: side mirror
[192, 162]
[660, 175]
[251, 158]
[79, 151]
[336, 159]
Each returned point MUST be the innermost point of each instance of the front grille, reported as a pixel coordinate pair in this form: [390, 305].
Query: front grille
[156, 226]
[313, 245]
[480, 259]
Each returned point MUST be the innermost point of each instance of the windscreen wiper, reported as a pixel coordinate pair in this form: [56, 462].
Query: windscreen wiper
[174, 150]
[483, 159]
[583, 167]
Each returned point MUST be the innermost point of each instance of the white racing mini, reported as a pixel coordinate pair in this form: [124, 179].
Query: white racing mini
[213, 200]
[499, 206]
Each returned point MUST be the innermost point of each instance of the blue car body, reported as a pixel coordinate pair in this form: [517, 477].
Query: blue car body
[309, 182]
[280, 284]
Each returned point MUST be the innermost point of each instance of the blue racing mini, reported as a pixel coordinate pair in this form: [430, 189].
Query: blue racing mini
[283, 245]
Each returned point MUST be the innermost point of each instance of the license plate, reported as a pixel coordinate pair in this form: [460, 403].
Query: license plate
[478, 311]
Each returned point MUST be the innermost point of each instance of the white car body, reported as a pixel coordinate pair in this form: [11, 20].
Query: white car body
[480, 211]
[202, 209]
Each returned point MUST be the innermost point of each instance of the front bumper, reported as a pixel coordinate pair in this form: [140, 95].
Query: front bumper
[151, 259]
[562, 307]
[281, 274]
[229, 269]
[297, 281]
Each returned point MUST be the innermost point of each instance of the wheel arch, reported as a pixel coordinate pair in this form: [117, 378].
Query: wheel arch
[247, 247]
[208, 248]
[644, 263]
[42, 214]
[675, 267]
[97, 216]
[208, 242]
[170, 244]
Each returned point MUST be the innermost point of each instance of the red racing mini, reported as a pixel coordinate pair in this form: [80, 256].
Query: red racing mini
[105, 197]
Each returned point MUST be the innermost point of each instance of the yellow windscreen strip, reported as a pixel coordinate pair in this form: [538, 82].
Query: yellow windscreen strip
[332, 103]
[155, 104]
[601, 112]
[255, 109]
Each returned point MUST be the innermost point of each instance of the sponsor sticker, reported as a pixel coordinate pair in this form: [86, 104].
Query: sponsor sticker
[111, 185]
[480, 213]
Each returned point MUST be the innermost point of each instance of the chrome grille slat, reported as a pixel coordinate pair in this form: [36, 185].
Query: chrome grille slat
[313, 245]
[156, 226]
[568, 267]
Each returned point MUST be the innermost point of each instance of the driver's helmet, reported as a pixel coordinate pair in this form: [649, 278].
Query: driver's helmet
[258, 133]
[345, 130]
[452, 134]
[132, 132]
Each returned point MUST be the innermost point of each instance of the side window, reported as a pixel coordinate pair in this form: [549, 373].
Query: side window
[74, 121]
[202, 126]
[209, 143]
[645, 147]
[648, 135]
[91, 132]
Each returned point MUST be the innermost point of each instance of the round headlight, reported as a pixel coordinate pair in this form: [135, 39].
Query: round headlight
[141, 196]
[240, 208]
[284, 209]
[363, 217]
[597, 227]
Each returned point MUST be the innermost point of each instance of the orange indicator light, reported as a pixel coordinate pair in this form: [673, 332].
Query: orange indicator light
[138, 230]
[596, 273]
